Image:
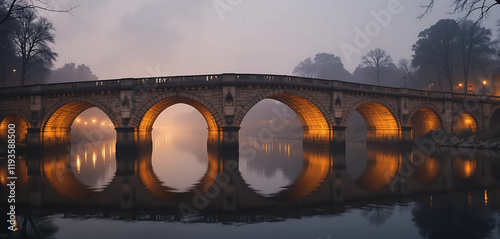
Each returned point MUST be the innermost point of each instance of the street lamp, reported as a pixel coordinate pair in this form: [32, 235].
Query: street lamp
[13, 76]
[484, 87]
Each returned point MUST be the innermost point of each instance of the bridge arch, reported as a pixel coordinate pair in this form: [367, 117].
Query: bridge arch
[312, 114]
[59, 118]
[424, 119]
[380, 117]
[495, 118]
[20, 120]
[465, 121]
[143, 121]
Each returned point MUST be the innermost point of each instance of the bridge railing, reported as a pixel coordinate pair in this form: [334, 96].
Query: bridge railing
[216, 79]
[177, 80]
[80, 85]
[15, 90]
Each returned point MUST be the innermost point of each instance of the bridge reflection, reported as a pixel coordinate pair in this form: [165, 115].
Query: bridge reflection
[49, 179]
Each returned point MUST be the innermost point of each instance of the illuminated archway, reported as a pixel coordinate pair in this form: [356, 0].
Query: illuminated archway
[314, 123]
[381, 123]
[21, 128]
[57, 124]
[464, 122]
[147, 116]
[424, 121]
[495, 119]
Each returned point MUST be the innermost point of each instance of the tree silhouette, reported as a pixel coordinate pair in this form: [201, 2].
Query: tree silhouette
[434, 51]
[15, 7]
[32, 44]
[456, 51]
[306, 68]
[72, 73]
[476, 48]
[466, 6]
[410, 71]
[324, 66]
[378, 61]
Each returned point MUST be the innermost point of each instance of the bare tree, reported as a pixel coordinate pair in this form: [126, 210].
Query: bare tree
[14, 7]
[306, 68]
[377, 61]
[466, 6]
[410, 71]
[32, 44]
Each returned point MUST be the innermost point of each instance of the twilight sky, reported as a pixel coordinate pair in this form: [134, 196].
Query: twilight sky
[125, 38]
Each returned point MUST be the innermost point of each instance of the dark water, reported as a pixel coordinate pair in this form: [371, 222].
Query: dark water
[180, 187]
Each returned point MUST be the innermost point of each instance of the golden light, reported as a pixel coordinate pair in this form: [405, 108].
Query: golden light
[460, 85]
[424, 121]
[382, 166]
[484, 82]
[13, 70]
[78, 163]
[93, 121]
[85, 123]
[486, 197]
[94, 158]
[464, 122]
[77, 120]
[466, 168]
[380, 122]
[103, 123]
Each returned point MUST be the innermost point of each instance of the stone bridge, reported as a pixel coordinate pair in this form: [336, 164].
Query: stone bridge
[44, 113]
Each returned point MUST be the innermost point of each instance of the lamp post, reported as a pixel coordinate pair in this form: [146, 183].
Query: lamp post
[14, 76]
[484, 87]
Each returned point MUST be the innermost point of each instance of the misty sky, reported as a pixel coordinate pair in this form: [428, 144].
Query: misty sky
[124, 38]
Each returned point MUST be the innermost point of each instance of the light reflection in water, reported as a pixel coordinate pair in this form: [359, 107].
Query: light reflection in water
[465, 167]
[273, 168]
[179, 160]
[97, 173]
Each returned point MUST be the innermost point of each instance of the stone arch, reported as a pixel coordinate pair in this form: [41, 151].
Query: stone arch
[425, 118]
[18, 113]
[380, 117]
[465, 121]
[495, 118]
[22, 125]
[59, 118]
[313, 115]
[145, 118]
[271, 95]
[71, 108]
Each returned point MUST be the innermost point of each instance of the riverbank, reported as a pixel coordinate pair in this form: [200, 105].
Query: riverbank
[467, 139]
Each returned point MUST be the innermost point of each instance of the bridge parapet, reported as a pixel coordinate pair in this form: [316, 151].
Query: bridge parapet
[225, 99]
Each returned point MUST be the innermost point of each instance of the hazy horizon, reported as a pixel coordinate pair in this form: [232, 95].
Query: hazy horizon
[121, 39]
